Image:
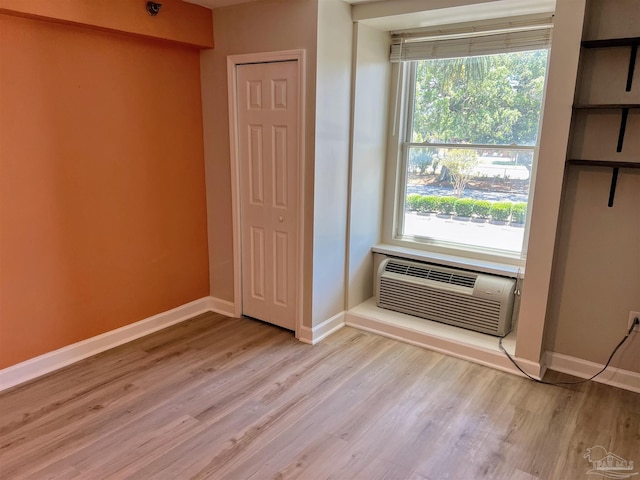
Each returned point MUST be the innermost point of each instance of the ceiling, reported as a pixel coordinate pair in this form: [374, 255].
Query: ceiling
[217, 3]
[224, 3]
[473, 11]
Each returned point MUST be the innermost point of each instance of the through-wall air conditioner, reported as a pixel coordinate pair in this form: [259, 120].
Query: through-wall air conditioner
[476, 301]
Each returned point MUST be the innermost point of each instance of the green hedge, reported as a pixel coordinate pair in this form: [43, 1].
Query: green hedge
[519, 212]
[500, 211]
[466, 207]
[447, 205]
[481, 208]
[431, 203]
[413, 201]
[422, 204]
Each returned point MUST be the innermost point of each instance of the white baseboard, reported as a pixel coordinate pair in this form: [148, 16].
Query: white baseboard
[405, 328]
[43, 364]
[616, 377]
[321, 331]
[223, 307]
[305, 335]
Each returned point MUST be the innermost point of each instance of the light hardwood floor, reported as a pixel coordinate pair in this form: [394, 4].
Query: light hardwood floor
[220, 398]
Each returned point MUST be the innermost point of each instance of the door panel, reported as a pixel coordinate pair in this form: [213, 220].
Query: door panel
[256, 175]
[268, 155]
[280, 182]
[280, 275]
[256, 249]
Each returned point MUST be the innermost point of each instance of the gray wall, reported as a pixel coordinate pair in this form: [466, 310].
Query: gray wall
[368, 158]
[332, 106]
[269, 25]
[596, 278]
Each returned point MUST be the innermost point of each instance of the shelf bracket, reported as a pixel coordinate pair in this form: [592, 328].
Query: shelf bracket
[632, 65]
[612, 190]
[623, 127]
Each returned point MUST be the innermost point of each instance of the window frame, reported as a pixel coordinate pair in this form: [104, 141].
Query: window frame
[400, 136]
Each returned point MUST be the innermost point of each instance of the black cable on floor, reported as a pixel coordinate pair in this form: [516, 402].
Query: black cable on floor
[633, 325]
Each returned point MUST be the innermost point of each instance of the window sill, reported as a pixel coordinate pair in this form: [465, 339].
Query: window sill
[457, 342]
[476, 265]
[434, 330]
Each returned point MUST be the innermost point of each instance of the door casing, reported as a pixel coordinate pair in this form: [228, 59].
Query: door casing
[266, 57]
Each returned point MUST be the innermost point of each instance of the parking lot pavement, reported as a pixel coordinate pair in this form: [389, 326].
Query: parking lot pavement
[468, 193]
[503, 237]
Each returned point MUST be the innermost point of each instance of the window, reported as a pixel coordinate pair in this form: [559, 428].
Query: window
[467, 144]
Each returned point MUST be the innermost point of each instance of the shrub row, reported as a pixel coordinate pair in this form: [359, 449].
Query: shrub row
[467, 207]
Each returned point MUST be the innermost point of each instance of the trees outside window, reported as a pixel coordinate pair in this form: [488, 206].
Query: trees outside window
[491, 99]
[460, 165]
[471, 134]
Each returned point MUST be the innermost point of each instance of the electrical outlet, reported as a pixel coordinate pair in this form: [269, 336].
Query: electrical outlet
[632, 316]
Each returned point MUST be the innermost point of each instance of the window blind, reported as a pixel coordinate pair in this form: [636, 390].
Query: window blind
[468, 41]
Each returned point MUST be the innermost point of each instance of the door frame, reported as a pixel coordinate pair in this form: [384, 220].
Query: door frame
[233, 61]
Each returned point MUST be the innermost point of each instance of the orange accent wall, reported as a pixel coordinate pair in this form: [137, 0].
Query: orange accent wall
[177, 21]
[102, 189]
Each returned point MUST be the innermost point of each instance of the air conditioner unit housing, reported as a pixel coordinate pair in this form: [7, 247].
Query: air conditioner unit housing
[472, 300]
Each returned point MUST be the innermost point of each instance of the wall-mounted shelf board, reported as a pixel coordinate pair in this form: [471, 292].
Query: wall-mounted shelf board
[616, 166]
[623, 107]
[606, 106]
[603, 163]
[632, 42]
[611, 42]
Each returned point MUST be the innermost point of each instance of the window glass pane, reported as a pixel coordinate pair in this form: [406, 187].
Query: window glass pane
[491, 99]
[458, 194]
[468, 196]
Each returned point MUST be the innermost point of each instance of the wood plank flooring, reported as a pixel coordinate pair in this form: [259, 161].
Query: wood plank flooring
[221, 398]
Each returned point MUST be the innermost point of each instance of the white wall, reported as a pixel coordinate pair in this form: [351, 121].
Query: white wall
[372, 76]
[545, 208]
[332, 104]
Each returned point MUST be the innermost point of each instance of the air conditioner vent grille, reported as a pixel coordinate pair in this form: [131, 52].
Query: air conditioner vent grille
[428, 273]
[472, 300]
[441, 306]
[395, 267]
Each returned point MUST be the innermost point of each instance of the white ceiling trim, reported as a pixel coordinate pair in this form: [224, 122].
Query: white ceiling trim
[394, 15]
[408, 14]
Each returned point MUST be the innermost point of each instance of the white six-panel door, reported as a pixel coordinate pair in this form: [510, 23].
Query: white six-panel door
[268, 155]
